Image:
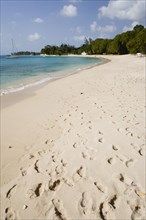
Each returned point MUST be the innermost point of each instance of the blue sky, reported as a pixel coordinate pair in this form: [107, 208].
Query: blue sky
[35, 23]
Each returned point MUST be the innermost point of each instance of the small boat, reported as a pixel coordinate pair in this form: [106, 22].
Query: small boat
[14, 51]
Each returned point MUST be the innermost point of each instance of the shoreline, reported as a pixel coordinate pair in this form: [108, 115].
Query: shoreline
[77, 145]
[11, 97]
[43, 80]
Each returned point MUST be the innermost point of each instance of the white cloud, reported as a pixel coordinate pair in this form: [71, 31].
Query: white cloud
[69, 11]
[79, 38]
[125, 28]
[38, 20]
[130, 9]
[102, 29]
[34, 37]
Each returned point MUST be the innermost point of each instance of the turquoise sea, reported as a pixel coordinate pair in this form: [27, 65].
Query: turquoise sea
[25, 71]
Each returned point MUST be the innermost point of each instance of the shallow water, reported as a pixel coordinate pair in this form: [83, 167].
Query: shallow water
[25, 71]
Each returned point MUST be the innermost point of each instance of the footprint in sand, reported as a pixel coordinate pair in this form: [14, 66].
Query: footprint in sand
[54, 185]
[54, 158]
[114, 201]
[10, 147]
[141, 152]
[81, 173]
[111, 160]
[85, 155]
[130, 134]
[125, 179]
[36, 167]
[115, 147]
[41, 153]
[60, 170]
[47, 141]
[36, 191]
[75, 145]
[137, 213]
[10, 214]
[63, 162]
[31, 156]
[100, 132]
[138, 209]
[23, 171]
[101, 187]
[101, 140]
[11, 191]
[86, 203]
[59, 209]
[89, 154]
[140, 149]
[120, 130]
[106, 211]
[24, 207]
[129, 163]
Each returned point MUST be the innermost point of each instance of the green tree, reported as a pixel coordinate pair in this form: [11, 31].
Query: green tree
[99, 46]
[138, 28]
[138, 44]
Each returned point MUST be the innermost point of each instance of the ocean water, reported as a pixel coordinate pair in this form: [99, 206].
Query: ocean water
[25, 71]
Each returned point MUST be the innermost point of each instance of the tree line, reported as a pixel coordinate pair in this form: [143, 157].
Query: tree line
[128, 42]
[26, 53]
[63, 49]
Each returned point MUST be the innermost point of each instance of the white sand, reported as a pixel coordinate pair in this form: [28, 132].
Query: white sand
[75, 148]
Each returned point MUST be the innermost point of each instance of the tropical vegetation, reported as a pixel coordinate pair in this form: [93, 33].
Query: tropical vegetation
[128, 42]
[26, 53]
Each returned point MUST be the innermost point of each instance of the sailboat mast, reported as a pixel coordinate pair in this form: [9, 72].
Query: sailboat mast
[12, 46]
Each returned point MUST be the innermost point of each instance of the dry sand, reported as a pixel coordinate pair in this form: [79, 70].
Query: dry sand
[74, 149]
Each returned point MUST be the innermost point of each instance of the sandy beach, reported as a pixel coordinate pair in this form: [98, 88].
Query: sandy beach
[75, 148]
